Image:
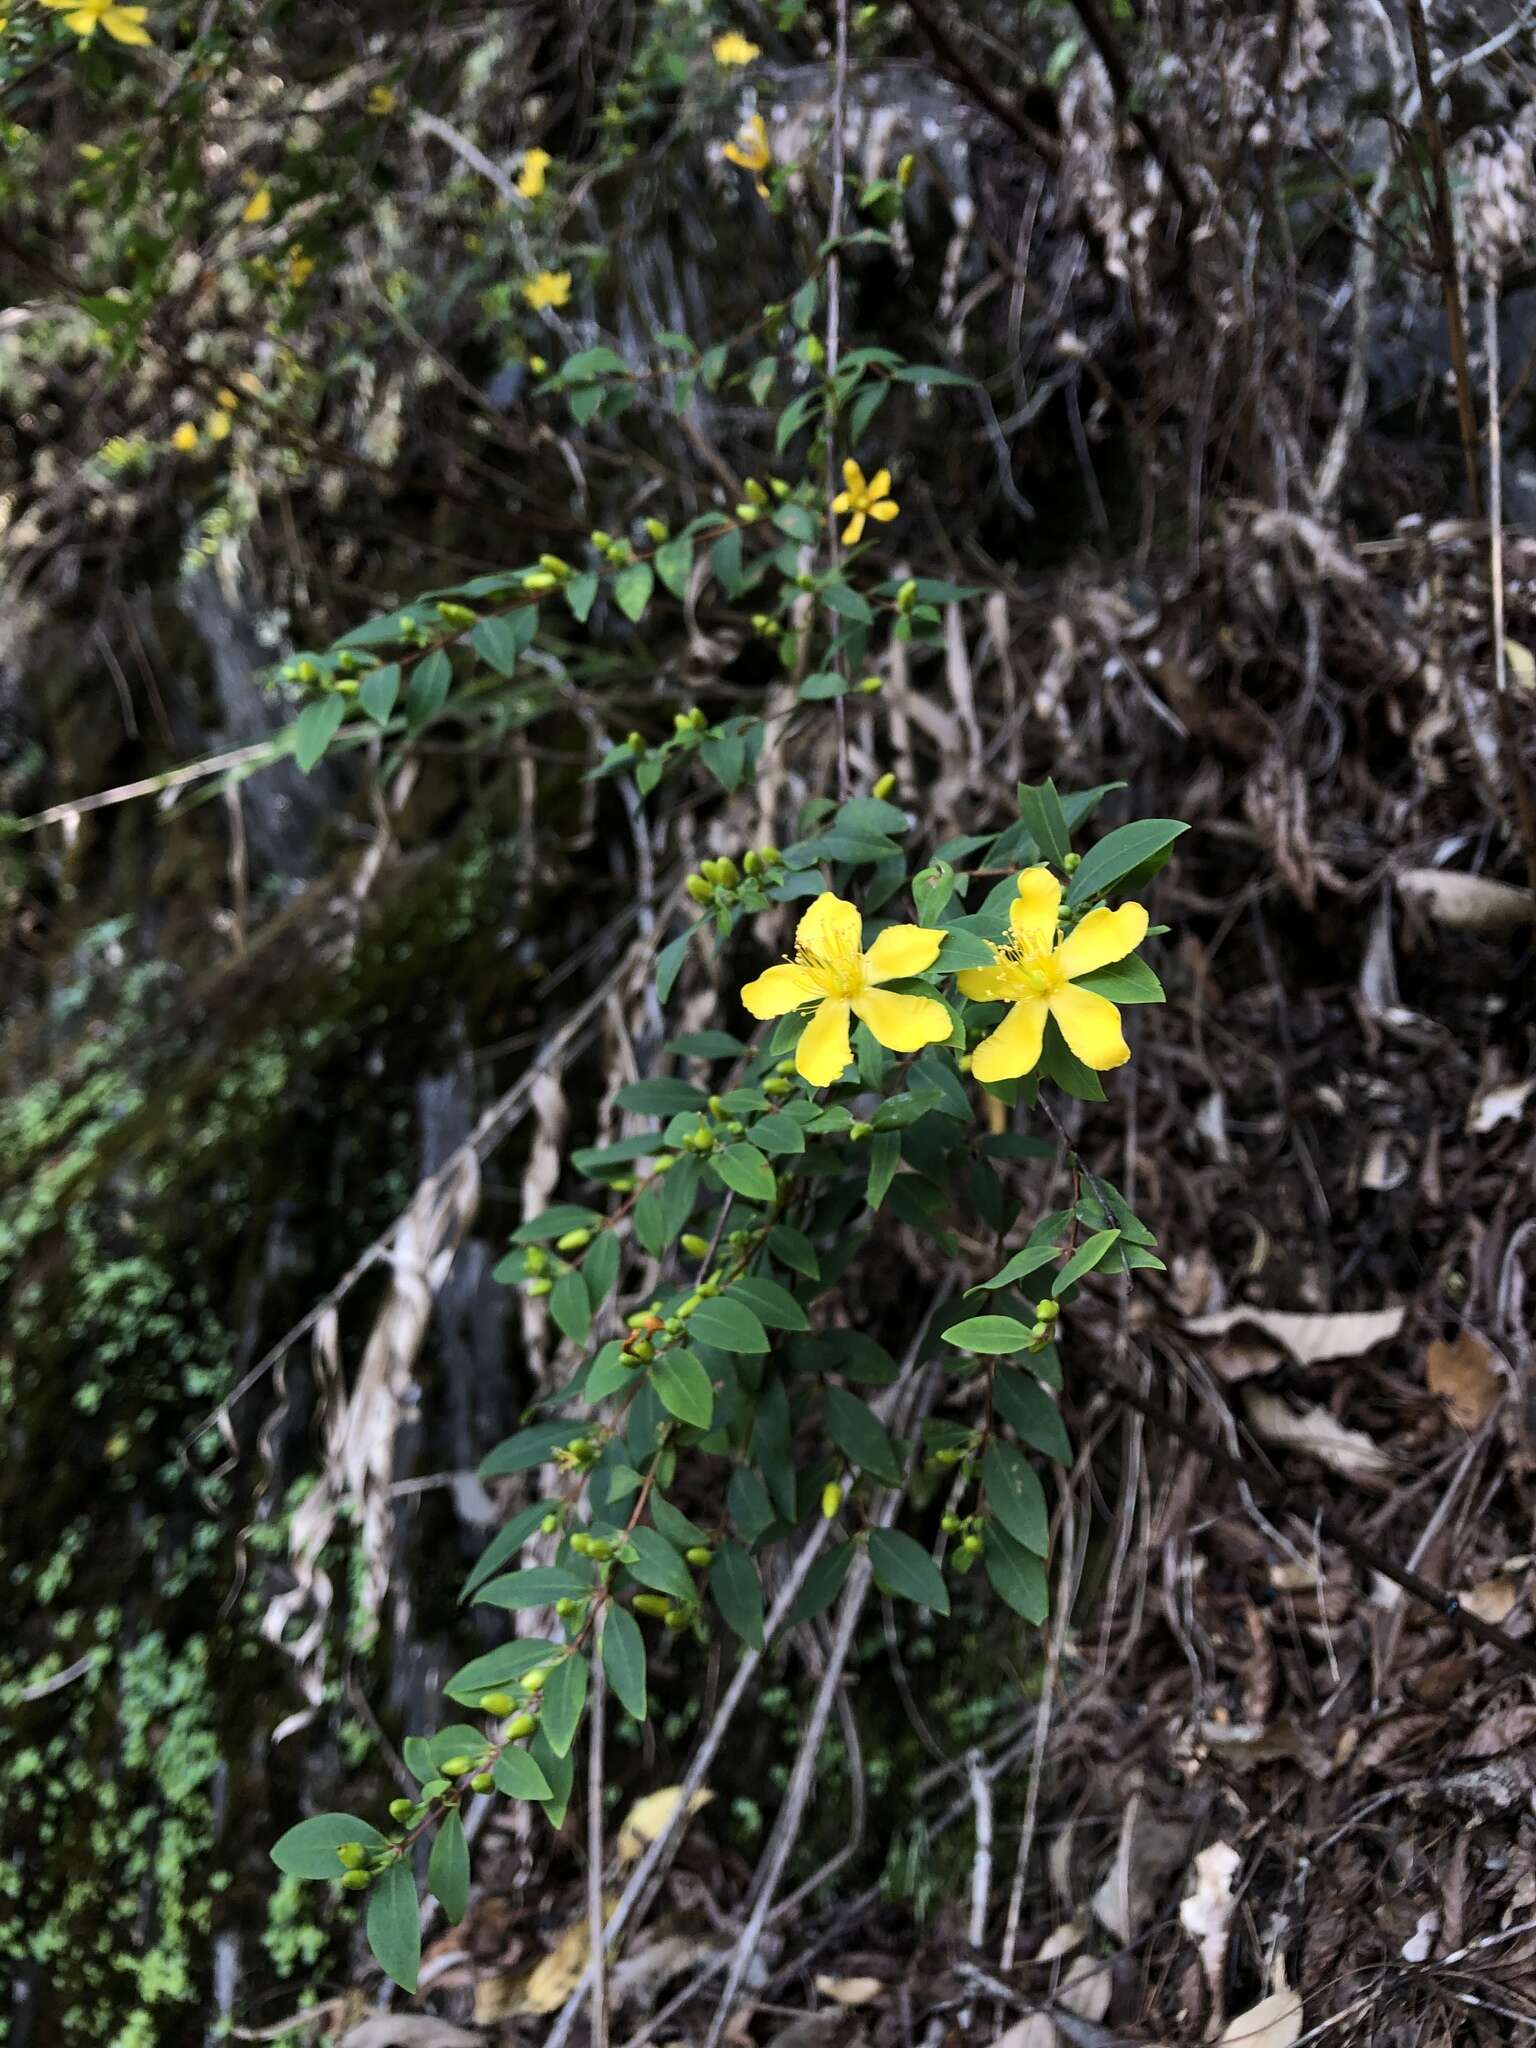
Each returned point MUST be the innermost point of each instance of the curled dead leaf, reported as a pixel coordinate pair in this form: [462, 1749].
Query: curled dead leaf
[1349, 1452]
[1495, 1733]
[850, 1990]
[1275, 2022]
[1467, 903]
[652, 1816]
[1308, 1338]
[1206, 1913]
[1492, 1599]
[1500, 1104]
[1462, 1374]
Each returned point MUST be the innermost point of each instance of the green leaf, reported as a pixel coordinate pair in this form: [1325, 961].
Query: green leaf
[669, 962]
[624, 1660]
[794, 1249]
[727, 1324]
[1019, 1267]
[774, 1306]
[673, 564]
[1060, 1064]
[683, 1388]
[662, 1097]
[778, 1133]
[1123, 856]
[884, 1158]
[1031, 1414]
[600, 1268]
[725, 560]
[931, 373]
[309, 1850]
[528, 1448]
[992, 1336]
[539, 1586]
[565, 1695]
[448, 1870]
[1084, 1259]
[505, 1543]
[824, 685]
[571, 1307]
[746, 1172]
[555, 1223]
[498, 642]
[658, 1565]
[377, 692]
[632, 589]
[498, 1669]
[427, 689]
[1127, 981]
[580, 594]
[1040, 809]
[860, 1435]
[904, 1569]
[519, 1775]
[734, 1588]
[315, 728]
[847, 603]
[1016, 1577]
[394, 1925]
[1015, 1496]
[559, 1771]
[823, 1583]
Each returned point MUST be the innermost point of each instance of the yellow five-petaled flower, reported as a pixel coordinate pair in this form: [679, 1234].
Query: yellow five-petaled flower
[734, 48]
[833, 976]
[863, 500]
[549, 288]
[84, 17]
[1037, 972]
[531, 178]
[751, 151]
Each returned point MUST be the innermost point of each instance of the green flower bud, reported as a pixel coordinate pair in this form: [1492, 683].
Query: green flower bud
[402, 1809]
[624, 1184]
[635, 741]
[573, 1241]
[534, 1681]
[537, 1289]
[776, 1088]
[497, 1703]
[675, 1618]
[904, 170]
[815, 353]
[456, 614]
[482, 1781]
[642, 1349]
[552, 565]
[581, 1543]
[770, 856]
[699, 889]
[883, 787]
[663, 1162]
[859, 1132]
[535, 1259]
[539, 582]
[351, 1855]
[699, 1555]
[686, 1308]
[730, 874]
[755, 492]
[355, 1880]
[656, 530]
[831, 1500]
[682, 722]
[779, 488]
[947, 1457]
[747, 514]
[601, 541]
[698, 720]
[906, 597]
[550, 1524]
[1040, 1332]
[734, 1129]
[456, 1766]
[700, 1141]
[871, 686]
[695, 1246]
[785, 1067]
[752, 862]
[656, 1604]
[1072, 862]
[709, 1288]
[673, 1326]
[1048, 1310]
[973, 1543]
[951, 1525]
[519, 1726]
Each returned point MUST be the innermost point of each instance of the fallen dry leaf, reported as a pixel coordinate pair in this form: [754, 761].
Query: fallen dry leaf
[651, 1816]
[1062, 1940]
[1035, 2030]
[1460, 1372]
[544, 1988]
[1308, 1338]
[1467, 903]
[1349, 1452]
[1506, 1729]
[850, 1990]
[1491, 1599]
[1086, 1987]
[1497, 1105]
[1275, 2022]
[1206, 1914]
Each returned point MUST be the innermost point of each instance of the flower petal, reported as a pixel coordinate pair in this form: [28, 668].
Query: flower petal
[1091, 1026]
[853, 476]
[843, 502]
[824, 1051]
[779, 991]
[1033, 916]
[830, 929]
[902, 949]
[880, 484]
[886, 509]
[902, 1023]
[1014, 1047]
[853, 530]
[1103, 937]
[987, 985]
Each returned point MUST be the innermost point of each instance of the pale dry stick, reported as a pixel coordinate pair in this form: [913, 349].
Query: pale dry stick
[597, 1701]
[981, 1864]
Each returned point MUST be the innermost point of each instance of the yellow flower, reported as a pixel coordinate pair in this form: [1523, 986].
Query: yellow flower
[381, 100]
[530, 179]
[258, 206]
[122, 24]
[732, 48]
[226, 398]
[1036, 971]
[301, 268]
[217, 426]
[185, 437]
[750, 150]
[863, 500]
[549, 288]
[832, 973]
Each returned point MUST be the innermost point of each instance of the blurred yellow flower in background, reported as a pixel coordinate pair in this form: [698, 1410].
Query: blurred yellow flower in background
[122, 24]
[549, 288]
[732, 48]
[530, 179]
